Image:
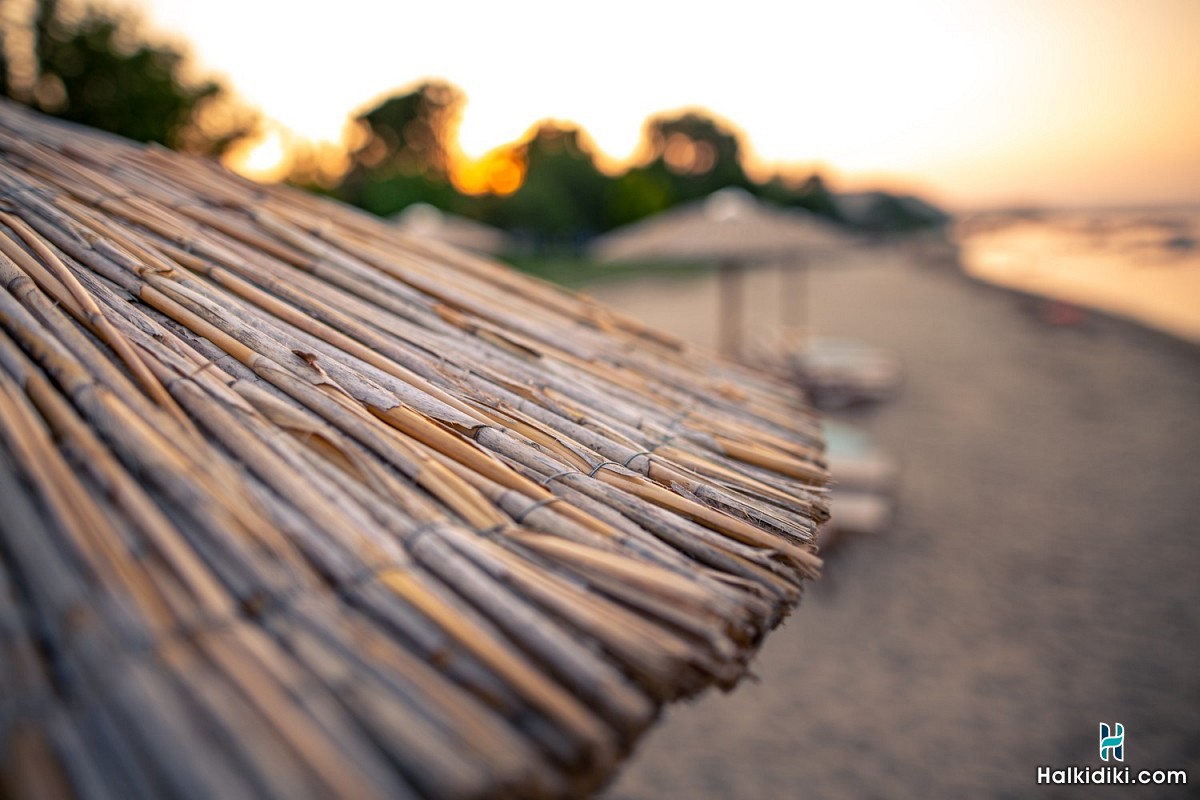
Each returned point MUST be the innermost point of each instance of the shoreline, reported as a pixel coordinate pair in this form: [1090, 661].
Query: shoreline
[1140, 265]
[1097, 316]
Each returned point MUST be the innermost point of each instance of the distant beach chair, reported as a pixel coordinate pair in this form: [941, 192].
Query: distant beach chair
[864, 482]
[837, 373]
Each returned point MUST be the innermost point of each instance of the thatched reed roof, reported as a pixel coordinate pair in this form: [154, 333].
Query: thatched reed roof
[295, 505]
[728, 225]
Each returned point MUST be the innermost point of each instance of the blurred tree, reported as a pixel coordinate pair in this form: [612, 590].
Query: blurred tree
[638, 193]
[94, 67]
[686, 156]
[701, 154]
[547, 187]
[562, 196]
[414, 133]
[406, 151]
[884, 213]
[812, 194]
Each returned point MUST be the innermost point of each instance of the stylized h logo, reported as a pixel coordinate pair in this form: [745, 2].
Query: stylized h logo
[1112, 742]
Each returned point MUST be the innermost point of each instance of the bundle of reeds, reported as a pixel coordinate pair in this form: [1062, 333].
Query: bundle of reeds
[296, 505]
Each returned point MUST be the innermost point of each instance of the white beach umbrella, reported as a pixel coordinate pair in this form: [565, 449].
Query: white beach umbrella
[734, 229]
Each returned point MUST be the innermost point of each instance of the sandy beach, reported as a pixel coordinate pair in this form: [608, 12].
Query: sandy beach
[1041, 576]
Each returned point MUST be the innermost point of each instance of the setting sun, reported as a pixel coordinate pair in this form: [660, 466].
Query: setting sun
[263, 158]
[497, 172]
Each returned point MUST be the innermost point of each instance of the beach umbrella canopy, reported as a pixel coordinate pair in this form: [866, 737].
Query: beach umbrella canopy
[734, 229]
[728, 225]
[430, 222]
[296, 505]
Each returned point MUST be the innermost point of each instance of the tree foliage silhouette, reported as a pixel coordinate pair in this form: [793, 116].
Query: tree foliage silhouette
[95, 68]
[563, 194]
[407, 150]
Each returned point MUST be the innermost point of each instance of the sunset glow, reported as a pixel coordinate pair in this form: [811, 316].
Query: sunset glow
[978, 103]
[262, 158]
[496, 172]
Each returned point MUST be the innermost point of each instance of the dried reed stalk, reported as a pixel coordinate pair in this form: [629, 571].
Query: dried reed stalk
[297, 505]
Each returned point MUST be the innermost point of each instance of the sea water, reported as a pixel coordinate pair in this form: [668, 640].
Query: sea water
[1140, 264]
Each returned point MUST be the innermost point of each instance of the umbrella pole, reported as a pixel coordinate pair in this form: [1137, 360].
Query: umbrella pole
[793, 298]
[729, 323]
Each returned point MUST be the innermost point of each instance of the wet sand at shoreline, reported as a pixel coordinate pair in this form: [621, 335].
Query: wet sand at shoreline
[1041, 576]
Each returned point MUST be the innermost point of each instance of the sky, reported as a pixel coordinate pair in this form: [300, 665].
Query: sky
[974, 103]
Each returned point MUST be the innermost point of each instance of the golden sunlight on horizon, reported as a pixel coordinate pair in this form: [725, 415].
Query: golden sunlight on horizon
[982, 103]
